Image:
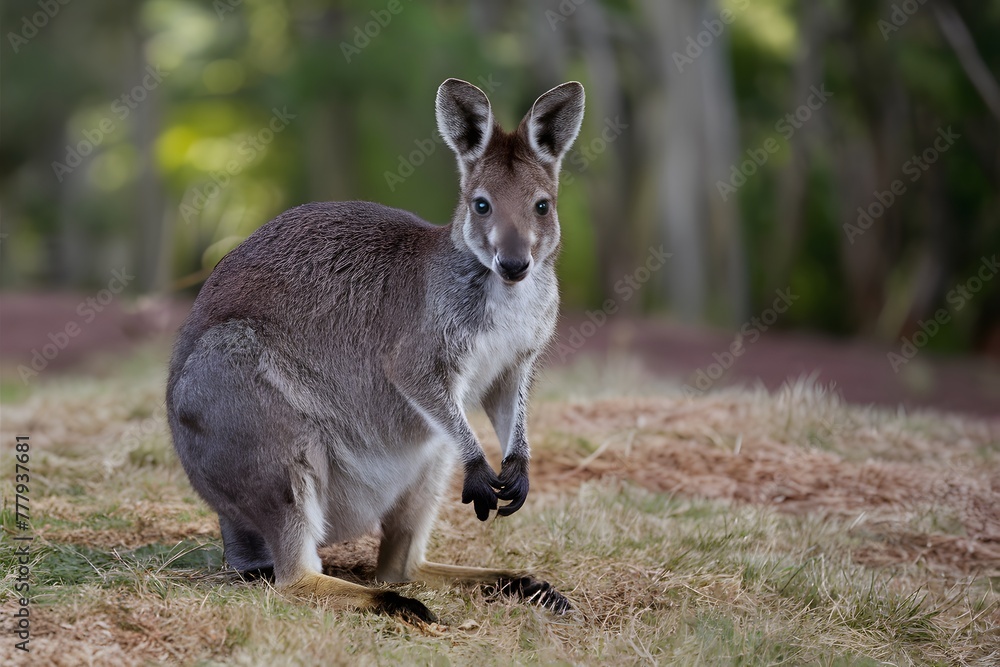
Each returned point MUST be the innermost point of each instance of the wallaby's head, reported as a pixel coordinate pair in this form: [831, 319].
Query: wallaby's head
[507, 208]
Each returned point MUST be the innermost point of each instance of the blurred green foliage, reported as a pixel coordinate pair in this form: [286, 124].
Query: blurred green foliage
[196, 122]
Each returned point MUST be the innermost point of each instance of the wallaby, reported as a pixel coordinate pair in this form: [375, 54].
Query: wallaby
[317, 389]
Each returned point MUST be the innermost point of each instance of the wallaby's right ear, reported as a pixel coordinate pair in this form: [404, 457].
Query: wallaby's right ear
[554, 121]
[464, 120]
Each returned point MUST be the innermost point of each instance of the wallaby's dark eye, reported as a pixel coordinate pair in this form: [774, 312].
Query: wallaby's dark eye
[542, 207]
[480, 206]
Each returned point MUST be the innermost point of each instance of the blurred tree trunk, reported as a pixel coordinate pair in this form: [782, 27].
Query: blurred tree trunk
[154, 238]
[932, 268]
[869, 155]
[808, 71]
[721, 136]
[70, 255]
[328, 147]
[697, 141]
[620, 233]
[332, 129]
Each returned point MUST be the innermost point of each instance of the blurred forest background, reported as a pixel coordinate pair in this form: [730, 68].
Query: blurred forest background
[757, 140]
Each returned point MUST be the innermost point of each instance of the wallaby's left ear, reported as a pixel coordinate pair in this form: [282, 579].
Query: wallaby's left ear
[554, 121]
[464, 120]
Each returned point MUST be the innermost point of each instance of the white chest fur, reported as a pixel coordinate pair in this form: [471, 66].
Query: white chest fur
[523, 317]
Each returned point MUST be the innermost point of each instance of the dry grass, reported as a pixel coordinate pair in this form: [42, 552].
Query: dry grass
[738, 527]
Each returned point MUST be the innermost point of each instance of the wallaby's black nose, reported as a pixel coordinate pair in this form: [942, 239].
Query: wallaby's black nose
[513, 269]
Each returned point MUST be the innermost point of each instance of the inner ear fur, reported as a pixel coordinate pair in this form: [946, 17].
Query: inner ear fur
[554, 121]
[464, 118]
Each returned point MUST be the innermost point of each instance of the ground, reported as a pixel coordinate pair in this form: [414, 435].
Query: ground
[735, 527]
[860, 372]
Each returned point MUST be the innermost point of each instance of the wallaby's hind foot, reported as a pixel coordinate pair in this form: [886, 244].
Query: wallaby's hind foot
[408, 609]
[346, 595]
[499, 582]
[534, 591]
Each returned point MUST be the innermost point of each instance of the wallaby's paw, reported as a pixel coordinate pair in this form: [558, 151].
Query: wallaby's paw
[408, 609]
[479, 487]
[513, 484]
[535, 591]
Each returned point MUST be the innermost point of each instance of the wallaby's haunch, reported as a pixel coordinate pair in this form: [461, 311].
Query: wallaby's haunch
[317, 389]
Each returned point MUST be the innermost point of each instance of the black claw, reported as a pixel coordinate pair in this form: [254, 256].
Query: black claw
[483, 487]
[480, 481]
[408, 609]
[535, 591]
[513, 484]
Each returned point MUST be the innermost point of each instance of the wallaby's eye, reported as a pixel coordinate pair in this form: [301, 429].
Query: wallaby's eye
[480, 206]
[542, 206]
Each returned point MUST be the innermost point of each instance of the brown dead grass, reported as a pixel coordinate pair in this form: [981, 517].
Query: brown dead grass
[124, 631]
[945, 552]
[748, 449]
[917, 494]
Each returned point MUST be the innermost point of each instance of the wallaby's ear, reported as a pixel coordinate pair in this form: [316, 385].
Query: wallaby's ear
[464, 120]
[554, 121]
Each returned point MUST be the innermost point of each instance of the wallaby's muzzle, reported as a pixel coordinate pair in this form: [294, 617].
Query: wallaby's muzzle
[512, 269]
[512, 253]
